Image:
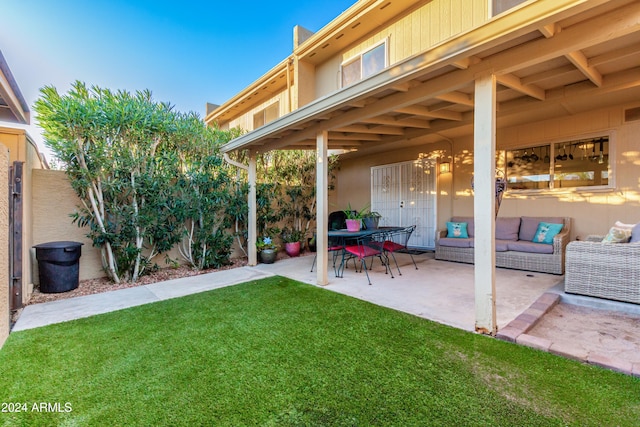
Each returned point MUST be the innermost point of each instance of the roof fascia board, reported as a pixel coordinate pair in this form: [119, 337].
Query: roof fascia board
[10, 92]
[267, 77]
[511, 25]
[342, 21]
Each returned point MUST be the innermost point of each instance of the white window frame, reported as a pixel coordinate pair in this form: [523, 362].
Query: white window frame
[263, 114]
[349, 60]
[611, 169]
[493, 12]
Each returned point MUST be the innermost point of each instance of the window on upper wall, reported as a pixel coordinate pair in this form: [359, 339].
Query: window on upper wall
[580, 163]
[364, 65]
[499, 6]
[266, 115]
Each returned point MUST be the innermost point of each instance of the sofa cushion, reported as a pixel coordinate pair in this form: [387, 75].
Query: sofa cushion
[457, 230]
[635, 234]
[507, 228]
[471, 229]
[546, 232]
[529, 225]
[502, 245]
[455, 242]
[531, 247]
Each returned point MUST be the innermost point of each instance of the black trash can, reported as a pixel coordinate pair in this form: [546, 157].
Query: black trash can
[59, 266]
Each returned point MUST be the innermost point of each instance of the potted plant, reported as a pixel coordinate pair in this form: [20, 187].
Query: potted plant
[292, 239]
[354, 218]
[267, 249]
[370, 220]
[311, 243]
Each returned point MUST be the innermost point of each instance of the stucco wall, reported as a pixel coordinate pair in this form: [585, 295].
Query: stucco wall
[4, 244]
[593, 212]
[53, 201]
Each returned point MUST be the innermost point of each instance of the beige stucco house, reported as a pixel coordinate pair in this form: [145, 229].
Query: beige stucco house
[545, 92]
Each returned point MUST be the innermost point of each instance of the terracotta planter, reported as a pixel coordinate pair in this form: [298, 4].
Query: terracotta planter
[292, 249]
[353, 224]
[268, 256]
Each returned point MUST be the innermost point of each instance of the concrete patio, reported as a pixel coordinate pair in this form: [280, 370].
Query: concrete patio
[438, 290]
[532, 308]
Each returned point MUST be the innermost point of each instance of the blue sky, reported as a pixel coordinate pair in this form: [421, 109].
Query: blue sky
[187, 53]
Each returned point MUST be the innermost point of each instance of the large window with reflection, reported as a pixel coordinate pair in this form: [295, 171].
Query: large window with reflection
[567, 164]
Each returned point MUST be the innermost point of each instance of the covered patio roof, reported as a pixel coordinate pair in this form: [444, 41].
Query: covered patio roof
[550, 59]
[541, 59]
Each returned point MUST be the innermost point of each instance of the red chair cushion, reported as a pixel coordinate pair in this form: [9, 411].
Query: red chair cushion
[362, 251]
[390, 246]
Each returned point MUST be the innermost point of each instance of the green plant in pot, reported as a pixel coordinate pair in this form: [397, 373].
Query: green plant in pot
[267, 249]
[311, 243]
[370, 220]
[354, 218]
[292, 239]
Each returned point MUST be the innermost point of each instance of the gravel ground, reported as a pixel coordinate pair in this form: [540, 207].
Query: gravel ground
[96, 286]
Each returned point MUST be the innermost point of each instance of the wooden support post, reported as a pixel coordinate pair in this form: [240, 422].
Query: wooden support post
[322, 210]
[252, 238]
[484, 159]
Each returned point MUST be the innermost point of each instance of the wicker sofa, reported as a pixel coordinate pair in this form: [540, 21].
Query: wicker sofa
[603, 270]
[514, 246]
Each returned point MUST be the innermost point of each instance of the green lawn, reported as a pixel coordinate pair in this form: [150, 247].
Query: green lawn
[276, 352]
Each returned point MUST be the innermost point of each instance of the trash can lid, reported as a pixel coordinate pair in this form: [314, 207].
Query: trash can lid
[58, 245]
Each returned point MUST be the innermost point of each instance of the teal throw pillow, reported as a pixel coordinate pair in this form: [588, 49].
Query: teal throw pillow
[546, 232]
[457, 230]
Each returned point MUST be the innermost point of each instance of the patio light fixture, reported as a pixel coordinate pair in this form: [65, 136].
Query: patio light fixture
[445, 167]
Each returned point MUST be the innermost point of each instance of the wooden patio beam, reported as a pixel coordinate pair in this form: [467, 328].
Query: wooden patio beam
[580, 61]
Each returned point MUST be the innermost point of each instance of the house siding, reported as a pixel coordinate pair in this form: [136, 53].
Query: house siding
[245, 121]
[409, 35]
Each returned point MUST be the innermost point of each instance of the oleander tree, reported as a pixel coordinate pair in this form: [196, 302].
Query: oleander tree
[133, 162]
[207, 194]
[286, 192]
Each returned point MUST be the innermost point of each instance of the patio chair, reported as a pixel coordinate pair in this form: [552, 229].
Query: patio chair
[397, 241]
[336, 222]
[335, 247]
[368, 246]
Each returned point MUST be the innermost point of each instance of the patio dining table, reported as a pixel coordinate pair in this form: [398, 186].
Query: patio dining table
[344, 236]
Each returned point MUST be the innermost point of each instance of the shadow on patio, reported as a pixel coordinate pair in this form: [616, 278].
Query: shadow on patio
[439, 290]
[591, 330]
